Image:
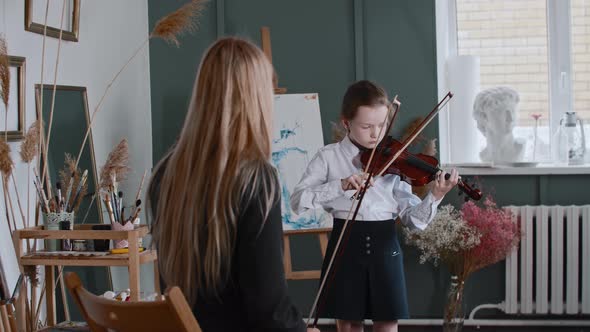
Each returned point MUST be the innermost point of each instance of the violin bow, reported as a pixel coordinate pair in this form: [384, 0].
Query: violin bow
[314, 313]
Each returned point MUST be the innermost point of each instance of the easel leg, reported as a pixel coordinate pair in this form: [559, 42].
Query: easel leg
[322, 235]
[287, 256]
[64, 298]
[133, 268]
[323, 243]
[157, 278]
[50, 294]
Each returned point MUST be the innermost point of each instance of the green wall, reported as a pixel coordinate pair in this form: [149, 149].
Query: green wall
[323, 46]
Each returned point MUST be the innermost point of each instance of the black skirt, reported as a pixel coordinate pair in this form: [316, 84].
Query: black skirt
[366, 280]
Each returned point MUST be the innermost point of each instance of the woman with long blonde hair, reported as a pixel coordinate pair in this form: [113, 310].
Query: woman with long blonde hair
[215, 203]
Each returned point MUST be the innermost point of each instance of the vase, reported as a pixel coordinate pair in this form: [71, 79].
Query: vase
[454, 316]
[52, 220]
[119, 244]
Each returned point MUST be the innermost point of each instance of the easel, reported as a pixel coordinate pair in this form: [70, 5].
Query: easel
[322, 233]
[265, 36]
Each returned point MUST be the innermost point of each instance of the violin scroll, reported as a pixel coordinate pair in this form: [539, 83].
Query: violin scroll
[470, 192]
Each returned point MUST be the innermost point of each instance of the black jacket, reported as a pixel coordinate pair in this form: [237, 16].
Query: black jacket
[255, 298]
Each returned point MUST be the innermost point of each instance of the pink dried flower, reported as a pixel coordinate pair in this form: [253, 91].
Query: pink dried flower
[469, 239]
[499, 234]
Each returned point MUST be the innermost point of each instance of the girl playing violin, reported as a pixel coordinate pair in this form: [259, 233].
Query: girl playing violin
[367, 281]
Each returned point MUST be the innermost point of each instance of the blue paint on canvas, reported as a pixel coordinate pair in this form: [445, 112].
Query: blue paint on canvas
[286, 133]
[309, 220]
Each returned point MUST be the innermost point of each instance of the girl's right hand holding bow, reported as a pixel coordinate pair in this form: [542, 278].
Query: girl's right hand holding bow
[355, 182]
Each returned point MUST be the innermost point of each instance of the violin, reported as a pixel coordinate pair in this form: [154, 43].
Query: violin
[416, 169]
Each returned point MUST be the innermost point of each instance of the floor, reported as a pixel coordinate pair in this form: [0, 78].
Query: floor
[475, 329]
[406, 328]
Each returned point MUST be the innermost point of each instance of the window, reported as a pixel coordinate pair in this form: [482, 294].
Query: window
[540, 48]
[580, 37]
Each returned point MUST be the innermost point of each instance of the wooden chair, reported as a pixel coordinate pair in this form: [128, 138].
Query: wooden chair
[102, 315]
[7, 318]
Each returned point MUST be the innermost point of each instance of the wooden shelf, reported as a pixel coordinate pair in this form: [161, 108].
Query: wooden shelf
[106, 260]
[80, 232]
[131, 260]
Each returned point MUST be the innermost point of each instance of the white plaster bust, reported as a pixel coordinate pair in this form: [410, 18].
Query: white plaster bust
[494, 110]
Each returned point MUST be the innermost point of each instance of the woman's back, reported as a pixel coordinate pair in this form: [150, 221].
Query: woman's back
[254, 297]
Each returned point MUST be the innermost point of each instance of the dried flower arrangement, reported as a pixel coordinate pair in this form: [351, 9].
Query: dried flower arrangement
[465, 241]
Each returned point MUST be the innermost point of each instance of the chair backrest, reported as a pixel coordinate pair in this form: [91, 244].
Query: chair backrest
[7, 318]
[171, 314]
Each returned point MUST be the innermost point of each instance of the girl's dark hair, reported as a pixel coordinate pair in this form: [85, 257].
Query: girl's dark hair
[362, 93]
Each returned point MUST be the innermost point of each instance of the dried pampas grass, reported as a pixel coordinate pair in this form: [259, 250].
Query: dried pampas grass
[116, 165]
[6, 162]
[69, 170]
[4, 72]
[29, 148]
[65, 176]
[178, 22]
[430, 148]
[338, 132]
[411, 128]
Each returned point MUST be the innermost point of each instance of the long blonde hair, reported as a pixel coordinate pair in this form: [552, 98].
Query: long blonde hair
[219, 162]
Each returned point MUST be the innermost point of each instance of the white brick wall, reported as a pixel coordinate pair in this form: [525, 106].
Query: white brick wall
[580, 11]
[510, 36]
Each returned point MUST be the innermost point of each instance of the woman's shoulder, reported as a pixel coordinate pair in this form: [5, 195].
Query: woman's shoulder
[259, 197]
[257, 180]
[258, 173]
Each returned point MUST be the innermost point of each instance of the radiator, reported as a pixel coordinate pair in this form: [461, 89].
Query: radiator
[549, 273]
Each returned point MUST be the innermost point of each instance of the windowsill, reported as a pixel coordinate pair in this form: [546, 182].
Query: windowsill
[540, 169]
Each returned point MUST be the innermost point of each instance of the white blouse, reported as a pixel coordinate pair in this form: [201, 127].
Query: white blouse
[389, 197]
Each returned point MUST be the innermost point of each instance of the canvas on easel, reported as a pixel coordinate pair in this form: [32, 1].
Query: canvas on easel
[297, 136]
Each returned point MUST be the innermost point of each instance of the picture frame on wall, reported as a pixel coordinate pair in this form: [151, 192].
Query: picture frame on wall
[35, 12]
[12, 120]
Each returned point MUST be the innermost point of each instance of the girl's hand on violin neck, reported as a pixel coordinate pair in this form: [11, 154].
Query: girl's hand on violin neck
[355, 182]
[312, 329]
[442, 186]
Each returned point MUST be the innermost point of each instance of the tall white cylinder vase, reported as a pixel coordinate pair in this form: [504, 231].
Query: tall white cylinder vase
[463, 80]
